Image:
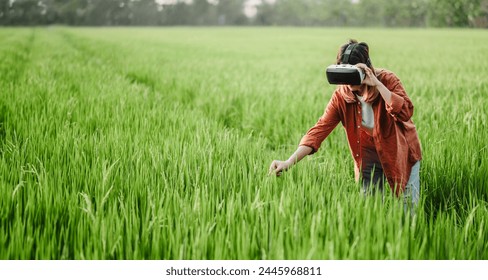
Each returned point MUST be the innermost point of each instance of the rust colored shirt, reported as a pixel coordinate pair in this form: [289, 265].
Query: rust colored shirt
[394, 133]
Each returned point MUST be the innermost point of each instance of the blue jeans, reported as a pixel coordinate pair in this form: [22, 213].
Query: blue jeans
[412, 190]
[374, 179]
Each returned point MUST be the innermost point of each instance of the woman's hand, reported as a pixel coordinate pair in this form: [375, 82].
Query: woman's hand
[278, 166]
[370, 78]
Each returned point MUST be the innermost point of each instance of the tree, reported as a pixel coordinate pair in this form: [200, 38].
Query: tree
[405, 13]
[231, 12]
[202, 13]
[22, 12]
[266, 14]
[4, 8]
[480, 16]
[451, 13]
[144, 12]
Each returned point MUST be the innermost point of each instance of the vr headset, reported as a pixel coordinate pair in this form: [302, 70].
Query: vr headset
[345, 73]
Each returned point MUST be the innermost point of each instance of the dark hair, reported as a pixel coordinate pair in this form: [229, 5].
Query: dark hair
[359, 54]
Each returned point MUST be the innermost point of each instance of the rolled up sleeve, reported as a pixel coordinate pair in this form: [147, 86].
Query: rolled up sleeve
[401, 107]
[324, 126]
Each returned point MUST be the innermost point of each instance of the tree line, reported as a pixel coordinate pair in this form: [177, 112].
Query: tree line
[381, 13]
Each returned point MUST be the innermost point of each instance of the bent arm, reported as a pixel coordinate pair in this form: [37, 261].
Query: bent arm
[398, 105]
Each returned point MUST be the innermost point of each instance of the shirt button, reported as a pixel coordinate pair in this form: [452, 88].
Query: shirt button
[357, 155]
[358, 141]
[359, 126]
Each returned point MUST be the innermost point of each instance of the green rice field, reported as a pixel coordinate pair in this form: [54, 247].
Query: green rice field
[155, 143]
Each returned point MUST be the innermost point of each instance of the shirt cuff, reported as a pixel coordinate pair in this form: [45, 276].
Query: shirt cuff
[396, 104]
[309, 142]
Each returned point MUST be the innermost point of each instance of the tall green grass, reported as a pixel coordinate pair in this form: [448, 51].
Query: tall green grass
[147, 143]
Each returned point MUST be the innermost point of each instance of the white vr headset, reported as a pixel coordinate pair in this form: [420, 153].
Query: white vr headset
[345, 73]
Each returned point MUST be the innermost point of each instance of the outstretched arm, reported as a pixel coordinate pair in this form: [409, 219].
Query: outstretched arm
[311, 141]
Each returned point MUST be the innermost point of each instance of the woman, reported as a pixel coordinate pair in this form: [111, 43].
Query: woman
[376, 116]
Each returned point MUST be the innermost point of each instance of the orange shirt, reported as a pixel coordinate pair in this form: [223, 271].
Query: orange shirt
[394, 133]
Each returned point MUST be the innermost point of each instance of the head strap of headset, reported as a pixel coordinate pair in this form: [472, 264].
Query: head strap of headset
[347, 53]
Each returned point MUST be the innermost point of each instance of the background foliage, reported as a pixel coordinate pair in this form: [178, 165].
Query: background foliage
[391, 13]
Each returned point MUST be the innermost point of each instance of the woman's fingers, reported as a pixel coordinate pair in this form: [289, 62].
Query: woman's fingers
[361, 65]
[365, 68]
[370, 77]
[272, 167]
[276, 167]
